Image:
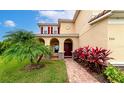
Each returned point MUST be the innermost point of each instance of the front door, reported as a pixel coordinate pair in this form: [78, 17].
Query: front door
[67, 49]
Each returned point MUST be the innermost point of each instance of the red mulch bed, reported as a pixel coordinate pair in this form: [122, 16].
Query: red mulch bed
[31, 67]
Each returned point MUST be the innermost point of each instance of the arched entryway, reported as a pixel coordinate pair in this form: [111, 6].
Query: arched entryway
[68, 47]
[42, 40]
[54, 43]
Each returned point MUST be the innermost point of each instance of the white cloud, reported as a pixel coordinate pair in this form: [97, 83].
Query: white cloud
[53, 16]
[9, 23]
[44, 21]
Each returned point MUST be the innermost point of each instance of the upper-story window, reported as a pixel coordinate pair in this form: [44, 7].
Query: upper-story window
[45, 30]
[41, 29]
[55, 30]
[50, 29]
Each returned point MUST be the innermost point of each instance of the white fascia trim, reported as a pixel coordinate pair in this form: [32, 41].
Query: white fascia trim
[100, 18]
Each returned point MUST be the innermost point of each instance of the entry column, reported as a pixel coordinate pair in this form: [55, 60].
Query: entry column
[47, 41]
[61, 49]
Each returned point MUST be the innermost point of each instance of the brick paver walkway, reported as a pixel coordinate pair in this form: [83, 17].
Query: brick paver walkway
[78, 74]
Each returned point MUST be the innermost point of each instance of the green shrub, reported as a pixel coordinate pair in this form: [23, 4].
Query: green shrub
[114, 75]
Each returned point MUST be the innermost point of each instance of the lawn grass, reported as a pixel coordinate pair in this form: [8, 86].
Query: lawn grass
[52, 72]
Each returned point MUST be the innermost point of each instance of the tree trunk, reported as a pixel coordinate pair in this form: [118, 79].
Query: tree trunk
[39, 59]
[31, 60]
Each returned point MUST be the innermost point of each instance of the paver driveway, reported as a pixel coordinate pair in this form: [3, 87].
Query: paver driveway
[78, 74]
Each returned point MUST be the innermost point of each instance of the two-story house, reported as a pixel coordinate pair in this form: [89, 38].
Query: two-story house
[94, 28]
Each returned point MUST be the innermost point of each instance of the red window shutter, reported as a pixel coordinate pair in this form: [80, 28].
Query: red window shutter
[41, 30]
[48, 29]
[58, 30]
[51, 30]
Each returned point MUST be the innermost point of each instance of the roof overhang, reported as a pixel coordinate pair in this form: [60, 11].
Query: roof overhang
[64, 21]
[57, 35]
[110, 13]
[47, 24]
[76, 15]
[70, 20]
[100, 16]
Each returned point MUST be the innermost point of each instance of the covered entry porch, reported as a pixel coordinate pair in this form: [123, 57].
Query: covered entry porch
[62, 46]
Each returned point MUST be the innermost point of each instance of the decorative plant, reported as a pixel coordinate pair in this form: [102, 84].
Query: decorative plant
[114, 75]
[76, 54]
[24, 46]
[96, 58]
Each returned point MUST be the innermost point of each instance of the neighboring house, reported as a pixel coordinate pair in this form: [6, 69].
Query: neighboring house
[95, 28]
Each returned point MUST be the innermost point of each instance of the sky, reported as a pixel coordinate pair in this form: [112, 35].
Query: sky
[28, 19]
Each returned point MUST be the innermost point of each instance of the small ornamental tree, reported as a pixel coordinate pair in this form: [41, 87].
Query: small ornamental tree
[24, 46]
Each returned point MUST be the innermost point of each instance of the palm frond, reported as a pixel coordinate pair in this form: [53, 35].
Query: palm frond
[24, 45]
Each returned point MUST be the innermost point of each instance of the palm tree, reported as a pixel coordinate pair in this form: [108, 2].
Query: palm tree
[3, 46]
[24, 46]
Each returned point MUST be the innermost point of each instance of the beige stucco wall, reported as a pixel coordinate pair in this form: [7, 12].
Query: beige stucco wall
[82, 21]
[67, 28]
[93, 35]
[116, 41]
